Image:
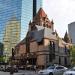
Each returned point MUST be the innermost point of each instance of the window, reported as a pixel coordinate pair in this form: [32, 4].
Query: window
[44, 24]
[60, 67]
[65, 61]
[44, 18]
[51, 67]
[41, 42]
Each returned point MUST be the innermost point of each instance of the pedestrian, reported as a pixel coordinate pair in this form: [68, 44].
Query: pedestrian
[35, 68]
[11, 71]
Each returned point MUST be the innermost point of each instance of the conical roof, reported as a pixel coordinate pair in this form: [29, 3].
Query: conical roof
[41, 13]
[67, 38]
[41, 18]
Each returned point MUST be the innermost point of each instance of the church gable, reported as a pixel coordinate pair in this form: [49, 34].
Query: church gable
[41, 19]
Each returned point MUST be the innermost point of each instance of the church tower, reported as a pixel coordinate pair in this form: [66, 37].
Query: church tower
[41, 19]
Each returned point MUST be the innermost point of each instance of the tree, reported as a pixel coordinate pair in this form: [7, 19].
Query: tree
[2, 60]
[1, 52]
[66, 38]
[1, 48]
[72, 53]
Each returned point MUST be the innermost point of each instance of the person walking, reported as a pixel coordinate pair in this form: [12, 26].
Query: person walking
[11, 71]
[35, 68]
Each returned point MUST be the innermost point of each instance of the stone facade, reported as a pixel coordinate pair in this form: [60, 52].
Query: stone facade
[42, 46]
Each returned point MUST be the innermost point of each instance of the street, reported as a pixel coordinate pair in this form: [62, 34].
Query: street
[21, 72]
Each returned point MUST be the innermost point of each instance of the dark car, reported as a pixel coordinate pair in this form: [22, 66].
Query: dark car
[2, 68]
[9, 69]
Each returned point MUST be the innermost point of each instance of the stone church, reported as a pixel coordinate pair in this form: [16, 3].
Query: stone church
[42, 46]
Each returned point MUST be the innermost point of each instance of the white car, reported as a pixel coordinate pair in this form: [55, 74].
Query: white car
[70, 72]
[53, 70]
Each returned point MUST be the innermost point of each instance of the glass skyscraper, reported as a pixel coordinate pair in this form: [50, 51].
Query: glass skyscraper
[14, 19]
[10, 23]
[8, 9]
[29, 7]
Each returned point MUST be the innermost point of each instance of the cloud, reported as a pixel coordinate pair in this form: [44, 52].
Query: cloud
[62, 11]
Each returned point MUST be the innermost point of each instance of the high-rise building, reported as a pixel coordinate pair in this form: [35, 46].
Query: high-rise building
[29, 9]
[9, 27]
[23, 11]
[36, 6]
[71, 29]
[11, 35]
[8, 8]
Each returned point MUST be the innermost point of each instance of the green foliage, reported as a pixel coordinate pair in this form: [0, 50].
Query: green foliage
[1, 46]
[73, 54]
[2, 58]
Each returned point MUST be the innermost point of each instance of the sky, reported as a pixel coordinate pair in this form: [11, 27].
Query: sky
[62, 12]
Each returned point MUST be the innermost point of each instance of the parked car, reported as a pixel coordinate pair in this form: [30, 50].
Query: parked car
[2, 68]
[53, 70]
[70, 71]
[14, 69]
[30, 67]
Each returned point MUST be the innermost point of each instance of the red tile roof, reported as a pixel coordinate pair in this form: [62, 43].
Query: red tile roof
[41, 13]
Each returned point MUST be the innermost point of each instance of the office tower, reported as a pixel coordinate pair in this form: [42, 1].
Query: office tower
[71, 29]
[22, 10]
[10, 21]
[29, 9]
[8, 8]
[34, 7]
[11, 35]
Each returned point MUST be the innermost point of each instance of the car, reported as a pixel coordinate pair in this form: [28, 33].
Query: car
[14, 69]
[30, 67]
[53, 70]
[2, 68]
[70, 71]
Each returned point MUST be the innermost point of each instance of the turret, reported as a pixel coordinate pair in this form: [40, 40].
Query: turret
[67, 38]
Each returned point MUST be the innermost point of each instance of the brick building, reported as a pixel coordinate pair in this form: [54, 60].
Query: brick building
[42, 46]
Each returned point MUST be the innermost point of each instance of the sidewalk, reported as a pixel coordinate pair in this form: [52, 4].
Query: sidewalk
[21, 72]
[26, 72]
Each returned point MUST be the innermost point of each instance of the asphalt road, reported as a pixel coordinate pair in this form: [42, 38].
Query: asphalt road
[20, 73]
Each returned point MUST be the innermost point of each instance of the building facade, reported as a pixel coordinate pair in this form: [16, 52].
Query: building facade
[11, 36]
[23, 12]
[8, 10]
[42, 46]
[29, 10]
[71, 29]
